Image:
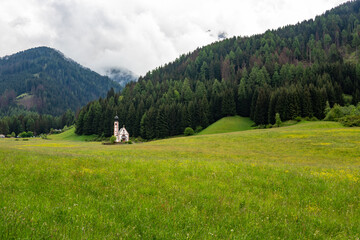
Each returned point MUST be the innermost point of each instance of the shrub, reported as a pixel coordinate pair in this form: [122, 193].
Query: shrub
[43, 136]
[65, 128]
[298, 119]
[23, 135]
[350, 121]
[277, 120]
[26, 134]
[189, 131]
[112, 139]
[336, 112]
[139, 139]
[327, 108]
[129, 142]
[100, 138]
[198, 129]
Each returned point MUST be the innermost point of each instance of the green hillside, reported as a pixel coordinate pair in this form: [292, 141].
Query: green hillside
[228, 124]
[70, 135]
[298, 182]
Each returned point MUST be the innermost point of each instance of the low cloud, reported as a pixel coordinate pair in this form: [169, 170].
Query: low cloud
[140, 35]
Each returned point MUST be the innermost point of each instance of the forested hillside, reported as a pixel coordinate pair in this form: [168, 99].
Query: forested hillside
[292, 71]
[43, 80]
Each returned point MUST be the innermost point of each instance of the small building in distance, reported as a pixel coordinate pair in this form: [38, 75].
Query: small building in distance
[2, 136]
[121, 135]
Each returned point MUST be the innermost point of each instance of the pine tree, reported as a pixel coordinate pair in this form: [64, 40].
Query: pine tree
[204, 112]
[96, 127]
[228, 107]
[161, 123]
[261, 108]
[272, 105]
[108, 121]
[143, 126]
[79, 129]
[306, 109]
[131, 119]
[4, 127]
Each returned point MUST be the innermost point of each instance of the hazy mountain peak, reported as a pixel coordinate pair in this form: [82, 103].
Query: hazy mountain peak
[121, 75]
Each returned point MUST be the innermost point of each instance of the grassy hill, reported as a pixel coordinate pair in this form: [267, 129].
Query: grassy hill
[228, 124]
[70, 135]
[297, 182]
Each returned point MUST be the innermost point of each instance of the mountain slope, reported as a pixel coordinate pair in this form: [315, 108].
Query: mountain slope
[293, 71]
[44, 80]
[331, 37]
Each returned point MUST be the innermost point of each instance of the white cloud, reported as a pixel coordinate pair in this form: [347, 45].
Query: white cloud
[140, 35]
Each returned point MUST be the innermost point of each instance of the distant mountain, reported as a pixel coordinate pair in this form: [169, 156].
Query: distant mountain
[43, 80]
[121, 76]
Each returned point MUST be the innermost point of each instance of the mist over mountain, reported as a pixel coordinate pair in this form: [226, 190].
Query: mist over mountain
[121, 75]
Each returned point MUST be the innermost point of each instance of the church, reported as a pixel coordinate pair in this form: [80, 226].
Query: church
[121, 135]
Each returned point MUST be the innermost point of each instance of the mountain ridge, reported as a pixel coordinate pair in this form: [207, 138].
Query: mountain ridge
[52, 81]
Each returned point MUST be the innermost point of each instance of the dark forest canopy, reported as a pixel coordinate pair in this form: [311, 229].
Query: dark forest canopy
[43, 80]
[35, 123]
[292, 71]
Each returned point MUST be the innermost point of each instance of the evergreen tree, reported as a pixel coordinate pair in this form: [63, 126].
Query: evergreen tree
[161, 123]
[4, 127]
[228, 107]
[261, 108]
[143, 126]
[277, 120]
[130, 123]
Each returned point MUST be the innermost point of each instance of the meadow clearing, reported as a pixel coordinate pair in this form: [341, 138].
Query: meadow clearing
[297, 182]
[229, 124]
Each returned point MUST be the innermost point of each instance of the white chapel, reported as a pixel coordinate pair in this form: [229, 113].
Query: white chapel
[121, 135]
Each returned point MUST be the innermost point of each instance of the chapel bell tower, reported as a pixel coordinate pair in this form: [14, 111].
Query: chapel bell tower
[116, 126]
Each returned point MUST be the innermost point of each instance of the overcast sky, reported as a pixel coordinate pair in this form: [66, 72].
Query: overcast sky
[140, 34]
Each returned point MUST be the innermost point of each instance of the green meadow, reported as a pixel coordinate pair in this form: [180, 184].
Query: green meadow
[228, 124]
[297, 182]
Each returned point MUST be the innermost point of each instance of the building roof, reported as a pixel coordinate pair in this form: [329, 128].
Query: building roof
[123, 131]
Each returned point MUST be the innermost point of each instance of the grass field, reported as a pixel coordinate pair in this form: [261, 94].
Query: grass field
[228, 124]
[298, 182]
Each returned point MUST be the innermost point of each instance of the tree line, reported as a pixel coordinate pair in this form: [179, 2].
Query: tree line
[35, 123]
[168, 107]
